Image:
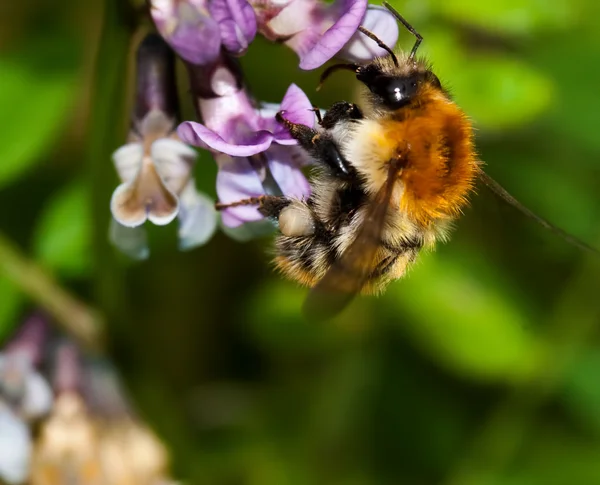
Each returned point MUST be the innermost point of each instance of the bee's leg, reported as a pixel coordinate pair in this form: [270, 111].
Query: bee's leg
[341, 111]
[317, 111]
[320, 145]
[268, 205]
[272, 205]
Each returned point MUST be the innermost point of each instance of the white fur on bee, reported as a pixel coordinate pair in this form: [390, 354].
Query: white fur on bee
[369, 152]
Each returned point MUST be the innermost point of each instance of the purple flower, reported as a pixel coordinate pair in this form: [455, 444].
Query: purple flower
[188, 29]
[317, 31]
[196, 29]
[237, 23]
[255, 154]
[251, 148]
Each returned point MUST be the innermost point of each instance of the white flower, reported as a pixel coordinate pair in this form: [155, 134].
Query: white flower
[158, 186]
[15, 447]
[24, 395]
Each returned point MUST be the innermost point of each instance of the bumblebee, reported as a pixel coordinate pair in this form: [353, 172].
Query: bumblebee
[391, 177]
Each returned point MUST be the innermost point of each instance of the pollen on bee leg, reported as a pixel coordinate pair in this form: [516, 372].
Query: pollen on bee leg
[296, 220]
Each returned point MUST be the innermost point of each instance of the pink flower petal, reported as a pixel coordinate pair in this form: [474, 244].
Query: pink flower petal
[198, 135]
[237, 22]
[238, 180]
[188, 29]
[286, 173]
[298, 109]
[197, 218]
[382, 23]
[314, 52]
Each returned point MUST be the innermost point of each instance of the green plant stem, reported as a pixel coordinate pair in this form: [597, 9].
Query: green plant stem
[107, 131]
[80, 321]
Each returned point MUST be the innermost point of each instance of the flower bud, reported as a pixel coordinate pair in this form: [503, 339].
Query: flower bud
[155, 79]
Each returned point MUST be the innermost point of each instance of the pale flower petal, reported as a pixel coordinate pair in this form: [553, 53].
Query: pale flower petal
[145, 198]
[38, 398]
[125, 208]
[131, 241]
[197, 218]
[174, 161]
[128, 160]
[15, 447]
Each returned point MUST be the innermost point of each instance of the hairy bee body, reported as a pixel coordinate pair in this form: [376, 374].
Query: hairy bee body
[330, 220]
[431, 139]
[389, 182]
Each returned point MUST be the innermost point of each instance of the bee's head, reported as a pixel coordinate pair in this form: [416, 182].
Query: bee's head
[392, 85]
[394, 82]
[396, 87]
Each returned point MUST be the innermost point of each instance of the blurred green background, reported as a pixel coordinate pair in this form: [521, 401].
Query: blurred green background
[482, 367]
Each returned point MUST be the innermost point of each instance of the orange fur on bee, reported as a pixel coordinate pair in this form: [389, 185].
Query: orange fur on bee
[441, 163]
[294, 272]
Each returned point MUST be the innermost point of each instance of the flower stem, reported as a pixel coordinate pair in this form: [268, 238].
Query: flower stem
[80, 321]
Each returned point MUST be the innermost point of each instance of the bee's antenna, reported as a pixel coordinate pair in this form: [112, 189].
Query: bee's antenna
[503, 194]
[336, 67]
[408, 27]
[380, 43]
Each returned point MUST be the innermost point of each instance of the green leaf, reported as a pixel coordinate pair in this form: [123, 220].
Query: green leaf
[516, 17]
[556, 456]
[497, 91]
[63, 237]
[464, 322]
[581, 392]
[35, 100]
[576, 110]
[11, 300]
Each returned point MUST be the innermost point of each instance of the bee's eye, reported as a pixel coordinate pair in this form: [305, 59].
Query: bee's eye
[395, 92]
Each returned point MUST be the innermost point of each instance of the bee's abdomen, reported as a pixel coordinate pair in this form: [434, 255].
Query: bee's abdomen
[336, 217]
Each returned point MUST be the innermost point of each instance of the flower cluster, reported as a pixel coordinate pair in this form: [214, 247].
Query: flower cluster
[155, 167]
[315, 30]
[25, 396]
[254, 153]
[86, 432]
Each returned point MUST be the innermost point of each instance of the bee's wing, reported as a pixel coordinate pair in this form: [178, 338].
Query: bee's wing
[349, 273]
